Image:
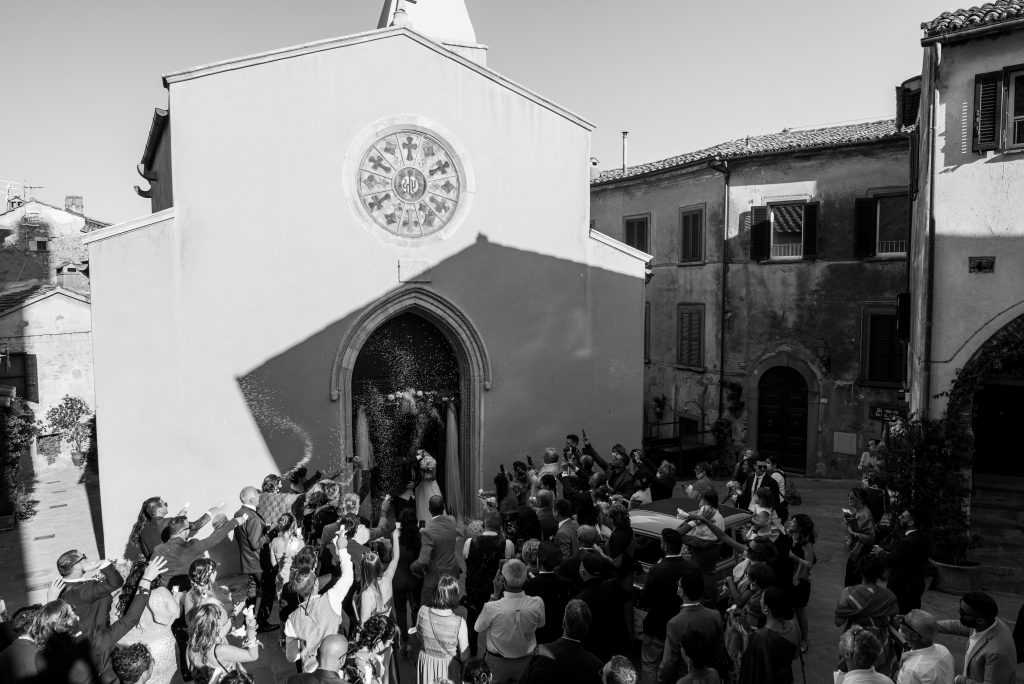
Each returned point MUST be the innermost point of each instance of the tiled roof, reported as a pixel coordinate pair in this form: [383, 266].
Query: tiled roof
[989, 14]
[16, 295]
[755, 145]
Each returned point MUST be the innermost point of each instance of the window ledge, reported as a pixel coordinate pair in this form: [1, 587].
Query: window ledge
[1014, 150]
[878, 384]
[894, 256]
[784, 260]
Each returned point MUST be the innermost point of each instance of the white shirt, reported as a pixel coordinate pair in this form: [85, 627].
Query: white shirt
[930, 665]
[868, 676]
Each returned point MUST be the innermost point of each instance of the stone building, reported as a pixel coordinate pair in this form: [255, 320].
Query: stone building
[45, 322]
[777, 264]
[967, 274]
[450, 210]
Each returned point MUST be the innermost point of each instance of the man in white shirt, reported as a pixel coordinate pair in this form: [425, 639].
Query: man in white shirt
[510, 620]
[926, 662]
[860, 649]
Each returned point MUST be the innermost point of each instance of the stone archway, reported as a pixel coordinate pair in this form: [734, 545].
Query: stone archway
[800, 361]
[470, 353]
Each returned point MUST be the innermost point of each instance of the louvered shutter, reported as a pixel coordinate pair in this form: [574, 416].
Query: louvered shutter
[691, 333]
[910, 102]
[988, 105]
[903, 317]
[692, 236]
[810, 230]
[759, 233]
[31, 378]
[865, 227]
[885, 353]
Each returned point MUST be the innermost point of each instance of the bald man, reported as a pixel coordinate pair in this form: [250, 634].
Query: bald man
[330, 659]
[252, 536]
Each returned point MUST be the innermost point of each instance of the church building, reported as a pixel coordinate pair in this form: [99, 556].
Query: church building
[429, 279]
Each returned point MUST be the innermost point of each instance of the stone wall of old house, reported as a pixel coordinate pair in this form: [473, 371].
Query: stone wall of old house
[23, 228]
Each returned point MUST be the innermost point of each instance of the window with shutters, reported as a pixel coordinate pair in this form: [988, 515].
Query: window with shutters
[691, 335]
[19, 371]
[638, 232]
[691, 229]
[882, 225]
[884, 355]
[784, 231]
[999, 110]
[647, 331]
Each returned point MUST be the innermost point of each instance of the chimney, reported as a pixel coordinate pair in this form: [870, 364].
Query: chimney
[595, 170]
[73, 203]
[625, 134]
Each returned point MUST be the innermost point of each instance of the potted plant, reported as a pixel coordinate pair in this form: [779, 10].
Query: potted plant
[927, 467]
[70, 420]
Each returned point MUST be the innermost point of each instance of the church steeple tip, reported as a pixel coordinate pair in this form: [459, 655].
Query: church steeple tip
[446, 21]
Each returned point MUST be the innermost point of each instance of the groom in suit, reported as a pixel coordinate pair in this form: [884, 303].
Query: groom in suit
[437, 550]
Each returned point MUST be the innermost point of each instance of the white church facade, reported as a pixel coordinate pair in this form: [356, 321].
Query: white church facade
[439, 214]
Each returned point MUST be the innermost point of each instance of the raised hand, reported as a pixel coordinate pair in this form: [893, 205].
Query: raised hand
[53, 591]
[156, 567]
[242, 518]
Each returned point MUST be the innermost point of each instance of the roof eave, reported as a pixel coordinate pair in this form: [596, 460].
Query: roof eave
[156, 131]
[972, 33]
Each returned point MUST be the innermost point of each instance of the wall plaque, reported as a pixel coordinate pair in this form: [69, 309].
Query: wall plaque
[982, 264]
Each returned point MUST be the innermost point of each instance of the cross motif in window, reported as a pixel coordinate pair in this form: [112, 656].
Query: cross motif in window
[371, 182]
[428, 216]
[428, 149]
[390, 218]
[389, 147]
[379, 164]
[409, 146]
[448, 187]
[440, 167]
[376, 202]
[440, 206]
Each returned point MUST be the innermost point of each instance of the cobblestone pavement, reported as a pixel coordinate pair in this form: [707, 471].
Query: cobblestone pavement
[65, 520]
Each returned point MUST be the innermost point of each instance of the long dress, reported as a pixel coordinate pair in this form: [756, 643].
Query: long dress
[385, 606]
[439, 636]
[163, 648]
[427, 488]
[283, 550]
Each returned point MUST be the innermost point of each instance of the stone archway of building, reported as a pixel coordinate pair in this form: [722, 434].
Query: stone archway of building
[795, 361]
[470, 353]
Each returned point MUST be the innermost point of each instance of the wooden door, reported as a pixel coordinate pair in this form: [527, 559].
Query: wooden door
[782, 417]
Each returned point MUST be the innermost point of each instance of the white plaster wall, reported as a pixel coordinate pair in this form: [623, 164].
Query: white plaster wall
[977, 211]
[264, 256]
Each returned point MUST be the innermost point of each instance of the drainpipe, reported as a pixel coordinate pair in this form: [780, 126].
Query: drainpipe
[722, 166]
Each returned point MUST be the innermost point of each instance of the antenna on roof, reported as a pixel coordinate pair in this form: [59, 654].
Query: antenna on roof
[26, 188]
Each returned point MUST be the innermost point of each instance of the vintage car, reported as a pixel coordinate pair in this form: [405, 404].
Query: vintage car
[650, 519]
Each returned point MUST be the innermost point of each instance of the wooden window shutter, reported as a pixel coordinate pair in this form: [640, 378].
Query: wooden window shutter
[691, 336]
[692, 236]
[909, 101]
[759, 227]
[903, 316]
[988, 105]
[810, 230]
[31, 378]
[865, 227]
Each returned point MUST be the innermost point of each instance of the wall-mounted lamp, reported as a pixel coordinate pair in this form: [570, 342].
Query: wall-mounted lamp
[822, 352]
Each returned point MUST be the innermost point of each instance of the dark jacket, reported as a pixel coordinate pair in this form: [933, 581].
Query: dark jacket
[155, 533]
[660, 596]
[694, 618]
[562, 661]
[548, 526]
[746, 493]
[555, 591]
[437, 549]
[251, 537]
[91, 598]
[319, 676]
[906, 562]
[180, 553]
[18, 662]
[566, 538]
[608, 635]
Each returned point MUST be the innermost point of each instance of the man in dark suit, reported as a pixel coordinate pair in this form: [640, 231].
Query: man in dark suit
[660, 598]
[330, 658]
[18, 660]
[251, 536]
[565, 536]
[588, 538]
[553, 589]
[760, 478]
[991, 655]
[565, 659]
[181, 549]
[437, 551]
[608, 635]
[154, 533]
[906, 559]
[546, 515]
[691, 618]
[88, 594]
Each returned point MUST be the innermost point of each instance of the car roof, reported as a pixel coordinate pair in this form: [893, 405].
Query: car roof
[653, 517]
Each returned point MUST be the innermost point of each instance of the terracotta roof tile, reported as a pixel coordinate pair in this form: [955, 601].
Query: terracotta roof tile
[756, 145]
[988, 14]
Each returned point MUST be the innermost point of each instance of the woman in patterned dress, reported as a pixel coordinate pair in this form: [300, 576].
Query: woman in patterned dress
[443, 635]
[283, 549]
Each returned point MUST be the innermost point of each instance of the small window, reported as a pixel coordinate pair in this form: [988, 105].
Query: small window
[638, 232]
[881, 225]
[885, 355]
[647, 331]
[692, 235]
[784, 231]
[998, 110]
[691, 335]
[1015, 111]
[39, 246]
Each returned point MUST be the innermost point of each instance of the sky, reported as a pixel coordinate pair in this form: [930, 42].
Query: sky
[82, 78]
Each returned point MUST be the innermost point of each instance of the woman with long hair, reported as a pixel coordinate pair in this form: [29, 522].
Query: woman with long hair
[406, 586]
[147, 511]
[286, 544]
[443, 635]
[306, 560]
[55, 630]
[202, 574]
[476, 671]
[801, 530]
[370, 650]
[619, 547]
[376, 595]
[860, 534]
[207, 640]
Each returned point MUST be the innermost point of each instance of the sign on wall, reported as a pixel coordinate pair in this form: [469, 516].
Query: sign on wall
[886, 414]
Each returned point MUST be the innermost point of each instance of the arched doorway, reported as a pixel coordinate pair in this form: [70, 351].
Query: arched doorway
[782, 417]
[405, 377]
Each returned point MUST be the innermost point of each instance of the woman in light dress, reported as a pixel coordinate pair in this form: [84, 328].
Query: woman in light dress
[372, 639]
[286, 544]
[443, 635]
[208, 648]
[377, 596]
[202, 573]
[428, 486]
[154, 630]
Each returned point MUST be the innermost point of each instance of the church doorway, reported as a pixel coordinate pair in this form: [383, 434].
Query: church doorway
[782, 417]
[405, 383]
[998, 410]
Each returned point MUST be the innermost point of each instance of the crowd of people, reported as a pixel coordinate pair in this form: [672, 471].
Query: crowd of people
[552, 585]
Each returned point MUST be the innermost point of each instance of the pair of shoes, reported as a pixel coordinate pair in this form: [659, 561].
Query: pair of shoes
[266, 627]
